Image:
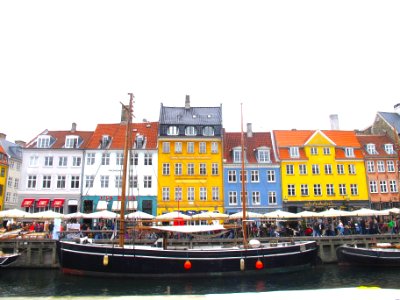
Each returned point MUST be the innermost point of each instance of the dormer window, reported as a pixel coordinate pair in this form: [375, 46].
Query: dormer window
[294, 152]
[190, 130]
[139, 141]
[208, 131]
[263, 155]
[349, 152]
[389, 148]
[105, 141]
[43, 141]
[371, 149]
[71, 141]
[173, 130]
[237, 155]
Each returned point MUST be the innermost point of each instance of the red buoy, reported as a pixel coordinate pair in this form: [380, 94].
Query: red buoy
[187, 265]
[259, 265]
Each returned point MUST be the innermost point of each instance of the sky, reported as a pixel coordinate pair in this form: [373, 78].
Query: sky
[291, 63]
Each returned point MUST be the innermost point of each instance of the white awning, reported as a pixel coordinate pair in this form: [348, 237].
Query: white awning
[189, 228]
[101, 205]
[72, 202]
[131, 205]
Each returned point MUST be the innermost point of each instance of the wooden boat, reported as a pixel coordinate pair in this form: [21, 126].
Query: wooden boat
[7, 259]
[83, 257]
[380, 254]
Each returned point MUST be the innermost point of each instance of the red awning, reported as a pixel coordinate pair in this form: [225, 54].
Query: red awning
[42, 202]
[27, 202]
[57, 203]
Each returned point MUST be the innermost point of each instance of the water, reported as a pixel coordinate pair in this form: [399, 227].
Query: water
[40, 283]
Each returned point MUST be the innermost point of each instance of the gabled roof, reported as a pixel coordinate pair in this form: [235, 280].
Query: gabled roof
[258, 140]
[392, 118]
[59, 138]
[13, 150]
[379, 141]
[117, 134]
[191, 115]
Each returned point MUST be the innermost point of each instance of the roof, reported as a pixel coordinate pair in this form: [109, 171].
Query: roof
[379, 141]
[191, 115]
[13, 150]
[117, 134]
[258, 140]
[59, 137]
[392, 118]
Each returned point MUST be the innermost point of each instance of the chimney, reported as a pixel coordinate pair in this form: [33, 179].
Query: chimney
[187, 102]
[334, 122]
[20, 143]
[73, 127]
[124, 113]
[397, 108]
[249, 130]
[2, 136]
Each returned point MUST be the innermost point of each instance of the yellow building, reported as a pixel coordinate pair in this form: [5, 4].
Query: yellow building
[190, 174]
[321, 169]
[3, 175]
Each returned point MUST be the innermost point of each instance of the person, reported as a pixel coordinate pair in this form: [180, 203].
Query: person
[391, 226]
[340, 228]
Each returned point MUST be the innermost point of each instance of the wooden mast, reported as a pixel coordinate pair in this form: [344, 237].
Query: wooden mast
[125, 169]
[244, 218]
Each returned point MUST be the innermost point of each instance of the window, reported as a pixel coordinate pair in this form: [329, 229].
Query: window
[48, 161]
[147, 181]
[165, 147]
[370, 166]
[373, 187]
[352, 169]
[214, 147]
[172, 130]
[61, 181]
[214, 169]
[178, 169]
[390, 166]
[272, 198]
[314, 151]
[315, 169]
[71, 142]
[255, 198]
[133, 181]
[43, 142]
[178, 193]
[354, 189]
[208, 131]
[134, 159]
[389, 148]
[245, 176]
[371, 149]
[349, 152]
[190, 193]
[304, 189]
[245, 196]
[104, 181]
[190, 130]
[215, 193]
[202, 147]
[294, 152]
[232, 176]
[190, 147]
[178, 147]
[203, 193]
[119, 159]
[327, 151]
[330, 191]
[165, 169]
[118, 181]
[105, 159]
[383, 186]
[90, 159]
[76, 161]
[291, 191]
[303, 169]
[289, 169]
[89, 180]
[328, 169]
[254, 176]
[263, 156]
[31, 181]
[317, 190]
[33, 161]
[46, 181]
[16, 183]
[232, 195]
[9, 182]
[62, 161]
[380, 165]
[340, 169]
[393, 186]
[190, 169]
[237, 155]
[271, 176]
[342, 189]
[75, 182]
[148, 159]
[165, 194]
[202, 169]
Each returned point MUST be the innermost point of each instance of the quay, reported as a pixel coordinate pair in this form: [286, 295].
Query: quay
[42, 253]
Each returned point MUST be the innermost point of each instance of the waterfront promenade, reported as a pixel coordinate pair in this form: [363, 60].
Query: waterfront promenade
[42, 253]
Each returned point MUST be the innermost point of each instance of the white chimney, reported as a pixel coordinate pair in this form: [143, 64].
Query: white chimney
[73, 127]
[334, 122]
[249, 130]
[187, 102]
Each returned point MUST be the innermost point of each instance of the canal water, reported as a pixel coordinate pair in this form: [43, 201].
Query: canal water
[41, 283]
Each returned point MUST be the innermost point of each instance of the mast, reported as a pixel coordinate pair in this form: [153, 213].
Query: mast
[244, 218]
[124, 170]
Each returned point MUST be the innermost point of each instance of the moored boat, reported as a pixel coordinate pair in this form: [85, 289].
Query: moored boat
[7, 259]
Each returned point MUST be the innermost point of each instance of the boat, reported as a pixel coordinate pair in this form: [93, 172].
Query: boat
[7, 259]
[84, 257]
[377, 255]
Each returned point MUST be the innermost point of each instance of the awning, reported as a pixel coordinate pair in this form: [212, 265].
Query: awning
[131, 205]
[101, 205]
[27, 202]
[72, 202]
[42, 202]
[57, 203]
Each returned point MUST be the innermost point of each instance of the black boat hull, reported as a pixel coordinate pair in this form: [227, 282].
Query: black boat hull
[368, 256]
[98, 260]
[8, 259]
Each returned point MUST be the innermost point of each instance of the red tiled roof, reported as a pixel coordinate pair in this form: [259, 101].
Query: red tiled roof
[60, 136]
[379, 141]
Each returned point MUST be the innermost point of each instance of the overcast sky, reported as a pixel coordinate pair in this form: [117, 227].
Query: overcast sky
[291, 63]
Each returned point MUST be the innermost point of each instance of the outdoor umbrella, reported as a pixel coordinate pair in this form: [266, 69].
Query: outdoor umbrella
[102, 214]
[366, 212]
[331, 213]
[249, 215]
[48, 214]
[76, 215]
[14, 213]
[172, 215]
[308, 214]
[139, 215]
[280, 214]
[208, 215]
